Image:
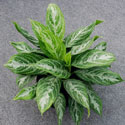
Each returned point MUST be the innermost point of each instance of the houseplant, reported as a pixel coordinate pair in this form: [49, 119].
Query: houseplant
[67, 68]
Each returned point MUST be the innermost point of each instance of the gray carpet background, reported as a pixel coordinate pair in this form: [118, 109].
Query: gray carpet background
[77, 13]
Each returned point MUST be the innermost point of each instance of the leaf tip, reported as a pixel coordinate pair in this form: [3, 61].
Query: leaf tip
[98, 22]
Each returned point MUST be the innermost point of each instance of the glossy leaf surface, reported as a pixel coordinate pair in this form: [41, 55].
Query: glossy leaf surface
[23, 47]
[60, 105]
[23, 32]
[26, 93]
[50, 44]
[99, 75]
[78, 91]
[53, 67]
[95, 101]
[46, 93]
[101, 46]
[55, 20]
[76, 111]
[68, 59]
[24, 63]
[23, 80]
[77, 37]
[84, 46]
[93, 58]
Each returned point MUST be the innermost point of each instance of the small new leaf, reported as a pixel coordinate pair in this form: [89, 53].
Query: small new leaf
[60, 105]
[26, 93]
[46, 93]
[76, 110]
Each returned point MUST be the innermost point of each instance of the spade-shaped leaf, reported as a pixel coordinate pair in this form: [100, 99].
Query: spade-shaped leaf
[78, 91]
[77, 37]
[24, 63]
[95, 101]
[93, 58]
[30, 38]
[101, 46]
[60, 105]
[55, 20]
[53, 67]
[23, 80]
[76, 110]
[46, 93]
[26, 93]
[99, 75]
[84, 46]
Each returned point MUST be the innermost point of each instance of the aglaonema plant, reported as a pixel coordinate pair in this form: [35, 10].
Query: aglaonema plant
[67, 67]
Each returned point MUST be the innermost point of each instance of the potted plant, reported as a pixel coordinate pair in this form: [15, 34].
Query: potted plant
[65, 68]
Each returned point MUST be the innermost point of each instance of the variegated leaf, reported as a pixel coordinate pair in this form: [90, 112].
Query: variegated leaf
[26, 93]
[23, 47]
[101, 46]
[23, 32]
[92, 58]
[95, 101]
[76, 110]
[99, 75]
[77, 37]
[46, 93]
[55, 20]
[24, 63]
[53, 67]
[84, 46]
[78, 91]
[50, 44]
[60, 105]
[23, 80]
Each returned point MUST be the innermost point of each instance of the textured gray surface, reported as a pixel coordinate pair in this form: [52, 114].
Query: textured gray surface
[77, 13]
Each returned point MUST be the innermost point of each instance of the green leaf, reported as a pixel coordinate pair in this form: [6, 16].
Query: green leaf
[95, 101]
[78, 37]
[84, 46]
[23, 32]
[76, 111]
[68, 59]
[92, 58]
[99, 75]
[60, 105]
[23, 80]
[46, 93]
[55, 20]
[26, 93]
[23, 47]
[24, 63]
[37, 27]
[78, 91]
[53, 67]
[101, 46]
[50, 44]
